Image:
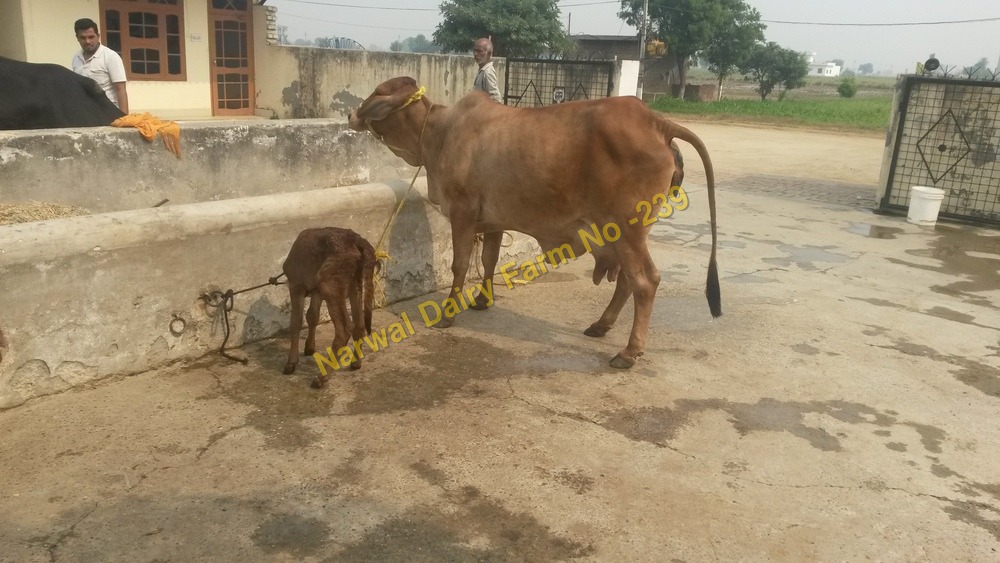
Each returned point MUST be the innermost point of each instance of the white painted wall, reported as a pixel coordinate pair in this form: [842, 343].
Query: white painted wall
[48, 38]
[626, 78]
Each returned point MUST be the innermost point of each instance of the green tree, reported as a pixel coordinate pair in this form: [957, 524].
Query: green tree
[520, 27]
[418, 44]
[771, 65]
[848, 87]
[733, 43]
[686, 26]
[866, 69]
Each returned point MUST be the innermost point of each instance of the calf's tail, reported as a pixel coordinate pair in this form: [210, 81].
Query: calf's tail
[671, 131]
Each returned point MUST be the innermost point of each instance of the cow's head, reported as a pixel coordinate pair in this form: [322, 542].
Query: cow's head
[383, 114]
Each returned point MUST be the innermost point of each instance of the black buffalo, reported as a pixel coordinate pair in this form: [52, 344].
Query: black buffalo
[44, 96]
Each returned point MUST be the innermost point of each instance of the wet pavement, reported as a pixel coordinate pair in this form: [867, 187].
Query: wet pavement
[844, 407]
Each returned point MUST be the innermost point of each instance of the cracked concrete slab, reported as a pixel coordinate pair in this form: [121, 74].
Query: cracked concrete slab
[843, 408]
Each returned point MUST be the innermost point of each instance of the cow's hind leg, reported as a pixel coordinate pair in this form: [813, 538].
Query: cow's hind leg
[644, 278]
[623, 290]
[491, 255]
[297, 296]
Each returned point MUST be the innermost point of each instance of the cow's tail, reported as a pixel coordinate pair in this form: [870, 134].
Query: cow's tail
[367, 269]
[672, 130]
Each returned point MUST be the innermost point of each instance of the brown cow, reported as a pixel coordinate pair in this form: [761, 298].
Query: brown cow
[547, 172]
[333, 265]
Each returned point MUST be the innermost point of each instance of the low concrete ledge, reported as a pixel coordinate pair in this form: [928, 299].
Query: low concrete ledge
[83, 298]
[107, 169]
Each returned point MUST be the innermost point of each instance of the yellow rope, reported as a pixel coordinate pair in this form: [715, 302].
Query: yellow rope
[381, 254]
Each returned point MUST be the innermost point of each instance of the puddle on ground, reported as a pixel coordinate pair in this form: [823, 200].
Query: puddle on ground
[806, 350]
[970, 253]
[291, 534]
[280, 403]
[805, 256]
[978, 375]
[472, 528]
[447, 364]
[557, 277]
[939, 312]
[975, 513]
[956, 316]
[874, 231]
[659, 425]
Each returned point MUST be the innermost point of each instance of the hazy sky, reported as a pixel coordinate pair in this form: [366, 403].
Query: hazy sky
[897, 48]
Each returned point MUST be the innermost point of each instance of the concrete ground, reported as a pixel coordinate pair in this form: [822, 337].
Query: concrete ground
[845, 407]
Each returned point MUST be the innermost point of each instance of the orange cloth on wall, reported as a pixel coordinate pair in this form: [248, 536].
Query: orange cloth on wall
[148, 125]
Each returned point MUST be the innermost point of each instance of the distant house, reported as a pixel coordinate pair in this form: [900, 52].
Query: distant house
[828, 68]
[607, 47]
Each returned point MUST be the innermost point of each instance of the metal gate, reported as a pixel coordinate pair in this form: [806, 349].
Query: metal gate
[542, 82]
[947, 136]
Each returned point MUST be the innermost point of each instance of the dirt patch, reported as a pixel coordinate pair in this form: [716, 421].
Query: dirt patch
[31, 211]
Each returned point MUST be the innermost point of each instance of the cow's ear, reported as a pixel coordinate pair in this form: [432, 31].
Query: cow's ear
[378, 108]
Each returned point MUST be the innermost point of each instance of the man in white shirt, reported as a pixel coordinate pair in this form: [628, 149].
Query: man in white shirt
[101, 64]
[486, 79]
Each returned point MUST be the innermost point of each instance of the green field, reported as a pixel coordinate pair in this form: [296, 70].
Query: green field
[859, 114]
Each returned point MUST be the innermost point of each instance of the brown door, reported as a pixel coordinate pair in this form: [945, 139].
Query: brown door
[230, 33]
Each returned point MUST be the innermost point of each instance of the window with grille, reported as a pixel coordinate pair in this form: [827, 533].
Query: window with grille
[149, 36]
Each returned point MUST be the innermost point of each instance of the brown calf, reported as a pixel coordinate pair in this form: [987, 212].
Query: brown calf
[333, 265]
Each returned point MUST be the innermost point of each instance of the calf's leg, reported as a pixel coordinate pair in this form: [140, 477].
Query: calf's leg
[357, 317]
[297, 297]
[334, 295]
[312, 319]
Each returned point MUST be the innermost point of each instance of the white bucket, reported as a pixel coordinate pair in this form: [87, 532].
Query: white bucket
[924, 205]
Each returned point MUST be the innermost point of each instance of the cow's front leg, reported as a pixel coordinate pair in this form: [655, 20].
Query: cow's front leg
[463, 238]
[491, 255]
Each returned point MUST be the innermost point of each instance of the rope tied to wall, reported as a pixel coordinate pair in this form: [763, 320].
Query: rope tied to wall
[224, 301]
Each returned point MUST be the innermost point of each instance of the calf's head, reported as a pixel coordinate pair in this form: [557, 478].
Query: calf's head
[395, 114]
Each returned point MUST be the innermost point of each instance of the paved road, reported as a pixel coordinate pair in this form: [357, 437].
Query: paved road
[843, 408]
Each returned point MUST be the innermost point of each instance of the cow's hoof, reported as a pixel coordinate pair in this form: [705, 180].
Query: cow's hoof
[621, 362]
[289, 369]
[307, 352]
[445, 322]
[316, 384]
[480, 303]
[596, 331]
[356, 364]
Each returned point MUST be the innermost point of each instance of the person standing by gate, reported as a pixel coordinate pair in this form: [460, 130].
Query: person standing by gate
[486, 79]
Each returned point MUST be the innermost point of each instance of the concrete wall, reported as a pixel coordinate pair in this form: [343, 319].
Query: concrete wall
[310, 82]
[110, 169]
[83, 298]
